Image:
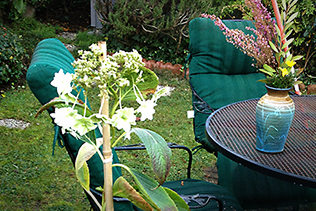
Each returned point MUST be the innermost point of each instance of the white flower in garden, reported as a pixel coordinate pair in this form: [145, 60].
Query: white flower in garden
[65, 117]
[95, 48]
[123, 82]
[62, 82]
[146, 109]
[140, 77]
[83, 125]
[123, 119]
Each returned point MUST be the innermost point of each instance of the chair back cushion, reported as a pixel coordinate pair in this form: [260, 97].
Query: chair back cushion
[48, 58]
[210, 51]
[219, 72]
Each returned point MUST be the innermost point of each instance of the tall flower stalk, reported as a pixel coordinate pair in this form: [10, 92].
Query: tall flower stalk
[119, 78]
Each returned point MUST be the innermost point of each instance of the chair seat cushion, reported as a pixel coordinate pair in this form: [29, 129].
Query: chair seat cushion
[191, 187]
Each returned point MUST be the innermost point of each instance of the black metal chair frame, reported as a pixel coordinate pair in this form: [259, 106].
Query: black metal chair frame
[98, 195]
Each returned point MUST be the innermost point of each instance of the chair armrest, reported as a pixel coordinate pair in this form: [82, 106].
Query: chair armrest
[141, 146]
[201, 105]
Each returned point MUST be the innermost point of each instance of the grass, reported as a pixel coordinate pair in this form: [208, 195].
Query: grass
[32, 179]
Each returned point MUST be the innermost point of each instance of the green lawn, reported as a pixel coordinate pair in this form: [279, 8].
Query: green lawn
[32, 179]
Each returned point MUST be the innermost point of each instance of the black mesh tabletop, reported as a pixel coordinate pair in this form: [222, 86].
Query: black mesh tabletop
[232, 129]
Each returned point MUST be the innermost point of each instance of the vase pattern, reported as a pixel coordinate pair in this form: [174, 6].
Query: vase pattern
[274, 115]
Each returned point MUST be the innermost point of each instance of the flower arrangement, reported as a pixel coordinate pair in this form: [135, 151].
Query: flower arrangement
[120, 77]
[269, 47]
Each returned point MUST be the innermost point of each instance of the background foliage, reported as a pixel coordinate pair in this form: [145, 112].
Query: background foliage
[159, 29]
[12, 54]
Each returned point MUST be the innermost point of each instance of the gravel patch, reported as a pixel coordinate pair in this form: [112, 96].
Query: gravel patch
[13, 123]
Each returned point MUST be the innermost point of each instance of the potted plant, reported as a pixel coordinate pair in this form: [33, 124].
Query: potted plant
[269, 46]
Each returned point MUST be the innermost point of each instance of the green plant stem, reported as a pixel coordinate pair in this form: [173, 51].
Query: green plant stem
[118, 139]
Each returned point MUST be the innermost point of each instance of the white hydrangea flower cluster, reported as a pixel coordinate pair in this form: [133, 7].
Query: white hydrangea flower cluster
[114, 70]
[71, 121]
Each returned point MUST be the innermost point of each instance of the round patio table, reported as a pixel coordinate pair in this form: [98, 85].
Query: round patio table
[232, 129]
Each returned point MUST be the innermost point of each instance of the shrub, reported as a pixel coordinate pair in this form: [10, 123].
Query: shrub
[32, 32]
[11, 56]
[158, 29]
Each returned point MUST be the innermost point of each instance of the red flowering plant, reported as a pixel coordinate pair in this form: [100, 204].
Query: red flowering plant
[269, 47]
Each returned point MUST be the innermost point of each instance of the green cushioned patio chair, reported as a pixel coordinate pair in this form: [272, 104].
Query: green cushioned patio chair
[49, 57]
[220, 74]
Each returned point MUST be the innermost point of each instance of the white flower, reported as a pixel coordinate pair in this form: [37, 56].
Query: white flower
[123, 119]
[95, 48]
[83, 125]
[123, 82]
[146, 109]
[62, 82]
[65, 117]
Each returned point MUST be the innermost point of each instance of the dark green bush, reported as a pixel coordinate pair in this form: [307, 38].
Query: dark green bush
[32, 32]
[12, 55]
[158, 29]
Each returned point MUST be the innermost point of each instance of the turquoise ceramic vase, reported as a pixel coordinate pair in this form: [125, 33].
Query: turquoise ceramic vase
[274, 115]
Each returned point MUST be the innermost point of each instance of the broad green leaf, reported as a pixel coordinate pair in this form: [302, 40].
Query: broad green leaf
[268, 68]
[263, 80]
[292, 17]
[83, 176]
[284, 4]
[180, 203]
[58, 102]
[147, 86]
[287, 43]
[151, 192]
[289, 57]
[291, 10]
[273, 46]
[277, 30]
[295, 58]
[287, 26]
[123, 189]
[266, 72]
[292, 4]
[283, 16]
[288, 34]
[158, 151]
[158, 195]
[85, 152]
